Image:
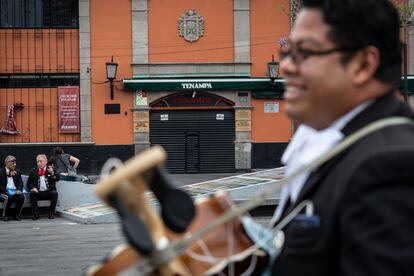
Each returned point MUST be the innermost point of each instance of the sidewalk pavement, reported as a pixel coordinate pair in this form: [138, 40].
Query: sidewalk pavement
[185, 179]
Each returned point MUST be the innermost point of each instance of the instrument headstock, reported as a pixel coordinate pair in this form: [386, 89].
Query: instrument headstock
[124, 189]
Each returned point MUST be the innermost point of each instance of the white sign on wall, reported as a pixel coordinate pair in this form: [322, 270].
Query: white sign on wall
[219, 116]
[164, 117]
[271, 107]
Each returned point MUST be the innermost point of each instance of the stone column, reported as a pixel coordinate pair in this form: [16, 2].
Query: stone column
[243, 122]
[85, 65]
[241, 16]
[140, 113]
[140, 55]
[410, 53]
[411, 46]
[139, 31]
[242, 108]
[295, 6]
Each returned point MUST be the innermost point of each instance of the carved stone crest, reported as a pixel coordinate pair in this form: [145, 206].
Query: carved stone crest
[191, 26]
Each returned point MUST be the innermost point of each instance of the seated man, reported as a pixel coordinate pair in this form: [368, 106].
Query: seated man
[11, 185]
[42, 186]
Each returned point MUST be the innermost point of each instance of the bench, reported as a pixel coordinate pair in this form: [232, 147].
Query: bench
[26, 204]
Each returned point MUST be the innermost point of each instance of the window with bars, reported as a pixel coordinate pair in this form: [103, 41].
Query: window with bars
[38, 80]
[39, 14]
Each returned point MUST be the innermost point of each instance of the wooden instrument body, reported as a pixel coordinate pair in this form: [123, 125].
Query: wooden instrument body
[222, 242]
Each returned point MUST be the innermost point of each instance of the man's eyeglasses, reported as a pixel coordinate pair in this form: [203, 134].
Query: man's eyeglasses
[12, 161]
[299, 54]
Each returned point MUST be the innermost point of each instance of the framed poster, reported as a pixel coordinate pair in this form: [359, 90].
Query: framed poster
[68, 102]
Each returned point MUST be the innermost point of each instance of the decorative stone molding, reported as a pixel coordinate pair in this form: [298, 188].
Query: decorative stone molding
[191, 26]
[295, 6]
[215, 69]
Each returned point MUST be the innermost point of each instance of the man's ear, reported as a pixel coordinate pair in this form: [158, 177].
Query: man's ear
[364, 65]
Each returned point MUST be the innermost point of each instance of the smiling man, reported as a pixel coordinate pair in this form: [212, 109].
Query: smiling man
[342, 65]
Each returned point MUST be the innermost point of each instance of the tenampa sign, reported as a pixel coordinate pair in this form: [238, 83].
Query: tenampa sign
[197, 85]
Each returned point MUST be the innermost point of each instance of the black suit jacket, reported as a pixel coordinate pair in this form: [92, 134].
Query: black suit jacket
[33, 181]
[18, 182]
[365, 201]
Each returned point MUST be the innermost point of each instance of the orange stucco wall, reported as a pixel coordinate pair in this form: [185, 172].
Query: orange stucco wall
[111, 36]
[29, 51]
[37, 121]
[39, 50]
[270, 127]
[165, 45]
[268, 24]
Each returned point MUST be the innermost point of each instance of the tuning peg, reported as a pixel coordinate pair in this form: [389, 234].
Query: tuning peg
[177, 207]
[134, 229]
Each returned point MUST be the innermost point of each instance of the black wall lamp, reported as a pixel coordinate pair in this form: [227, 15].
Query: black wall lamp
[273, 71]
[111, 68]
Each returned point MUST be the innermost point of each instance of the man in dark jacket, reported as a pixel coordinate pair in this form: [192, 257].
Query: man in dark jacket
[11, 187]
[341, 67]
[42, 186]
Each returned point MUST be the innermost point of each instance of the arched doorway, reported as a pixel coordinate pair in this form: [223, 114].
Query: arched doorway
[197, 129]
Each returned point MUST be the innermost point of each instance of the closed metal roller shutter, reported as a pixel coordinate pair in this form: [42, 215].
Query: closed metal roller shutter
[196, 141]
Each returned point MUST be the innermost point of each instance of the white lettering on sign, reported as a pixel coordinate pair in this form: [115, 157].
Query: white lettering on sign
[203, 85]
[69, 127]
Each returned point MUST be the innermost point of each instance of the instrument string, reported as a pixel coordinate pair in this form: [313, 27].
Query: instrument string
[187, 270]
[275, 229]
[252, 266]
[207, 257]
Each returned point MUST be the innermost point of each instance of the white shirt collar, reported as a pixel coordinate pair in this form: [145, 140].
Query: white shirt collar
[7, 171]
[309, 144]
[340, 123]
[310, 140]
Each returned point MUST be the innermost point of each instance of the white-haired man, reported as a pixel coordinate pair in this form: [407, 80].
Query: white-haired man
[42, 186]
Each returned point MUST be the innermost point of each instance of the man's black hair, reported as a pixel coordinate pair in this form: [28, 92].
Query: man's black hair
[363, 23]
